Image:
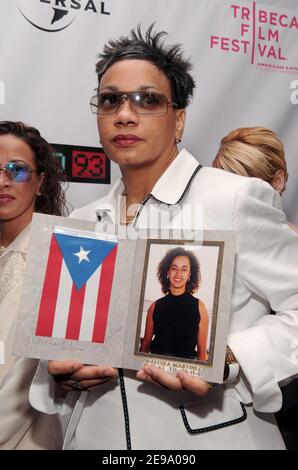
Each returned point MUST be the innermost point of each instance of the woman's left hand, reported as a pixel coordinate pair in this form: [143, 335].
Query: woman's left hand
[72, 375]
[181, 381]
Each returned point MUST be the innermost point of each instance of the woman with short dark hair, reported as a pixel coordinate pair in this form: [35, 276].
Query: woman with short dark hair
[143, 89]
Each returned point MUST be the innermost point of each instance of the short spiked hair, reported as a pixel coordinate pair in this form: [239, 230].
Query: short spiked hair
[151, 47]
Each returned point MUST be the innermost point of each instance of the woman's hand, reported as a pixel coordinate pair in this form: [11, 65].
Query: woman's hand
[181, 381]
[73, 375]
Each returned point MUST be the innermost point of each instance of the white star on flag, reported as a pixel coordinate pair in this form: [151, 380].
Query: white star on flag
[82, 255]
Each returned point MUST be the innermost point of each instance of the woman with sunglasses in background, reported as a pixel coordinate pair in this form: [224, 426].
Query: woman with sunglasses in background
[30, 180]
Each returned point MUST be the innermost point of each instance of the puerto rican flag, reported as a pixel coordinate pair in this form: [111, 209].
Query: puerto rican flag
[77, 288]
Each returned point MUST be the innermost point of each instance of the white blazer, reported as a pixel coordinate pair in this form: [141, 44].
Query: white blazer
[235, 416]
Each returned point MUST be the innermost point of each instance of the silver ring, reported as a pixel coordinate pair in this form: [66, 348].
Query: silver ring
[76, 385]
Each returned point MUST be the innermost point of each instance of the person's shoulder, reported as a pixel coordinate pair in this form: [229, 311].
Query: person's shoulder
[162, 300]
[258, 213]
[215, 188]
[222, 184]
[192, 298]
[255, 191]
[201, 303]
[152, 307]
[222, 178]
[229, 186]
[235, 182]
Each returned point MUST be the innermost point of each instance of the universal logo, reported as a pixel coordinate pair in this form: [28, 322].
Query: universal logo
[56, 15]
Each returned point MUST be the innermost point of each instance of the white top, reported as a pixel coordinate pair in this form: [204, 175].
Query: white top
[12, 266]
[266, 274]
[21, 427]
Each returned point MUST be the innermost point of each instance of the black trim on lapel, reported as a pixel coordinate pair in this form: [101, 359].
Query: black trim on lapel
[215, 426]
[185, 190]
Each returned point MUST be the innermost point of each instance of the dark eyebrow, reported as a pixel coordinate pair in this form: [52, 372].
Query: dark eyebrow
[16, 160]
[141, 88]
[109, 88]
[176, 266]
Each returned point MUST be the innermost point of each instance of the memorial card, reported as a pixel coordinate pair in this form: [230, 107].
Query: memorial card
[127, 302]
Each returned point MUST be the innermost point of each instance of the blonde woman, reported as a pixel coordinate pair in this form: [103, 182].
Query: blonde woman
[255, 152]
[259, 153]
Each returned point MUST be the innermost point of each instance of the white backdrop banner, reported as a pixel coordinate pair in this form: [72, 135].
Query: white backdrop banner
[245, 56]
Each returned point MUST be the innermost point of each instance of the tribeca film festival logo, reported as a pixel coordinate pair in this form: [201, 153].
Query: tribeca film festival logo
[260, 36]
[56, 15]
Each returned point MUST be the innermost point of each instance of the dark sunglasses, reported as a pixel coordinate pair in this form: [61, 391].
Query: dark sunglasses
[142, 102]
[17, 171]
